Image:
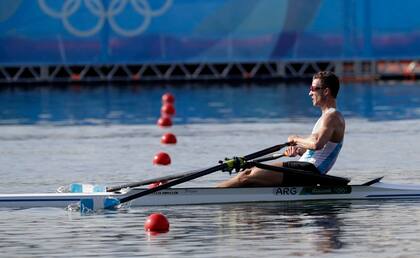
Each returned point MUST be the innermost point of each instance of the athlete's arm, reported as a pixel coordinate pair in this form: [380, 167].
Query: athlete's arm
[319, 139]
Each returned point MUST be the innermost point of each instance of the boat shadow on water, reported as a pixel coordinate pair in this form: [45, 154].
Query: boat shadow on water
[320, 220]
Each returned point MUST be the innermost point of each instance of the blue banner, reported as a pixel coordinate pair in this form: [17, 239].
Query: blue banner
[69, 32]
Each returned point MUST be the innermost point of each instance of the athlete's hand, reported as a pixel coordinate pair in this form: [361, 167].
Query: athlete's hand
[292, 151]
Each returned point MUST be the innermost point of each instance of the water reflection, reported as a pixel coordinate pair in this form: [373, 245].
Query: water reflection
[274, 226]
[138, 104]
[320, 220]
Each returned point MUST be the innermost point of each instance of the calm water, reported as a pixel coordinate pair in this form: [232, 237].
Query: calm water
[52, 136]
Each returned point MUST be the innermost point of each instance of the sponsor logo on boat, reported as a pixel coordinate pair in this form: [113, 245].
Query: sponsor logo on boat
[326, 190]
[166, 192]
[286, 191]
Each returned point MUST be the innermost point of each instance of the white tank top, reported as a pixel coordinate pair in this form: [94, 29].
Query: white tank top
[324, 158]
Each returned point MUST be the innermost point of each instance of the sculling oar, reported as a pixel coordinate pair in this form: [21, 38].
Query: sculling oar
[227, 165]
[176, 176]
[88, 188]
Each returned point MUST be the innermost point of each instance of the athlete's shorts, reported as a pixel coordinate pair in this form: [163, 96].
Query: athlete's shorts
[299, 180]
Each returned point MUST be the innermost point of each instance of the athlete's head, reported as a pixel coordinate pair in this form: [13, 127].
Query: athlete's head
[328, 80]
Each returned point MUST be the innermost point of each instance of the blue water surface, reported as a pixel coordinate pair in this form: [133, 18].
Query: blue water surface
[195, 103]
[56, 135]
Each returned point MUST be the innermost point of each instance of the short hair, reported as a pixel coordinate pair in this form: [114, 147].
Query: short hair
[329, 80]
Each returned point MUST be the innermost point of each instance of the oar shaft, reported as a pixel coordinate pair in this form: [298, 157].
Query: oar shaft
[266, 151]
[149, 181]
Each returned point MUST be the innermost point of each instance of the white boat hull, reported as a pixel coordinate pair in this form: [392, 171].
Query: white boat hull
[190, 196]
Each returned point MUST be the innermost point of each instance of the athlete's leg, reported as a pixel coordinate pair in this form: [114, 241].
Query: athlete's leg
[254, 177]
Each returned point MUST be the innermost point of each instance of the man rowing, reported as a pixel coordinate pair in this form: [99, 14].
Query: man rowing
[318, 152]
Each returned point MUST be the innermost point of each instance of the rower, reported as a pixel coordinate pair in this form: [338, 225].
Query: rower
[318, 151]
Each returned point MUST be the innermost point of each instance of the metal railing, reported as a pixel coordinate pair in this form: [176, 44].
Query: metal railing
[348, 70]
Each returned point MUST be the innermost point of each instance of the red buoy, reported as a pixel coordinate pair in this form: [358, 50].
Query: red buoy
[162, 158]
[168, 109]
[165, 121]
[168, 138]
[155, 184]
[157, 222]
[168, 98]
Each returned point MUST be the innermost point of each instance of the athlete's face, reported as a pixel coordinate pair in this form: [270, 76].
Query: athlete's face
[317, 92]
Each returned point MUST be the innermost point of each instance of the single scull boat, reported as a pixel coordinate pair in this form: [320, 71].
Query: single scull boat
[308, 186]
[189, 196]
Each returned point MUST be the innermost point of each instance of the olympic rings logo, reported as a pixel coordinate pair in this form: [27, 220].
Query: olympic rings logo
[103, 14]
